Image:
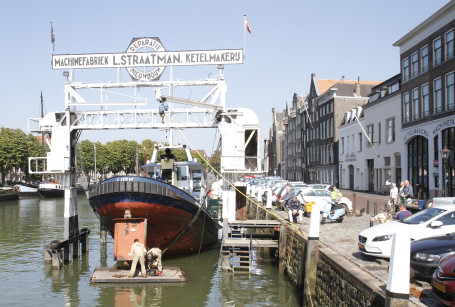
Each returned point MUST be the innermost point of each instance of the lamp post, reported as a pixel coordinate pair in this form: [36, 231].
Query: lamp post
[445, 154]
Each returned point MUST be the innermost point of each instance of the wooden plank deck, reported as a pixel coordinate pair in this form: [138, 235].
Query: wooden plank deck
[113, 275]
[255, 243]
[255, 223]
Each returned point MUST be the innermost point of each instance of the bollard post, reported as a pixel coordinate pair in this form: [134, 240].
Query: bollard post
[259, 195]
[312, 257]
[375, 208]
[397, 289]
[368, 207]
[75, 246]
[103, 234]
[56, 258]
[354, 204]
[269, 199]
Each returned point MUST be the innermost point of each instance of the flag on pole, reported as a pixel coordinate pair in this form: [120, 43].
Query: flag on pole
[247, 25]
[52, 38]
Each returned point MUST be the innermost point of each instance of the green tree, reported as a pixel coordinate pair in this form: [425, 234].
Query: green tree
[215, 160]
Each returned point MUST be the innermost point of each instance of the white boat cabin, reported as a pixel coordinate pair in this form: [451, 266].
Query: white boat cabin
[188, 176]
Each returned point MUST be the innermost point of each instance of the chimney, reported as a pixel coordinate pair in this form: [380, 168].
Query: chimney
[357, 87]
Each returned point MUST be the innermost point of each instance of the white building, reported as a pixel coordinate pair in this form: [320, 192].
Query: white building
[370, 148]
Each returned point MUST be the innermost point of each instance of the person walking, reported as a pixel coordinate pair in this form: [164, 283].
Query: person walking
[400, 190]
[138, 252]
[393, 201]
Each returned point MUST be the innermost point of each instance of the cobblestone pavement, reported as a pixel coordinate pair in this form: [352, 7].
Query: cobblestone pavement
[343, 238]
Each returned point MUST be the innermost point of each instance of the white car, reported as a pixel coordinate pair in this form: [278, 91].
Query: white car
[317, 195]
[377, 240]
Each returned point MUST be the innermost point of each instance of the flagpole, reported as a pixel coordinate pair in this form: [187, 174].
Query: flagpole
[52, 42]
[244, 35]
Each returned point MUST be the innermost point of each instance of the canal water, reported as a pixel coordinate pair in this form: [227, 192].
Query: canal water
[27, 224]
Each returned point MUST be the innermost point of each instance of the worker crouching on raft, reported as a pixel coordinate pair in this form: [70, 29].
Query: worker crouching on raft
[138, 252]
[154, 257]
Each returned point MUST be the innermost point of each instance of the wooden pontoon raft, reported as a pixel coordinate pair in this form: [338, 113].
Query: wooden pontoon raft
[113, 275]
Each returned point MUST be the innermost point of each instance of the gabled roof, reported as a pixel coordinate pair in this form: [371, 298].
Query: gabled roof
[325, 84]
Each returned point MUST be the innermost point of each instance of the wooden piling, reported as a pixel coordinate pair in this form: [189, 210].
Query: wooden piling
[282, 248]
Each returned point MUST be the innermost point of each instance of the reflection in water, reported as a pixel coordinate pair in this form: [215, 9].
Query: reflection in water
[27, 224]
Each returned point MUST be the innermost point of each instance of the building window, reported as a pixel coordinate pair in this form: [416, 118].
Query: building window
[370, 129]
[437, 98]
[406, 113]
[424, 59]
[360, 141]
[449, 91]
[437, 52]
[342, 145]
[379, 133]
[386, 161]
[393, 88]
[449, 47]
[425, 100]
[390, 137]
[414, 64]
[405, 69]
[415, 104]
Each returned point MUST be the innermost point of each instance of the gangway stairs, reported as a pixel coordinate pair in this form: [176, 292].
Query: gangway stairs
[237, 248]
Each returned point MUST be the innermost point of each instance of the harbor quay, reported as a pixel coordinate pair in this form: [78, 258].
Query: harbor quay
[344, 277]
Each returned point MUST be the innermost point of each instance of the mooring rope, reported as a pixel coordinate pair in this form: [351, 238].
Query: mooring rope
[229, 183]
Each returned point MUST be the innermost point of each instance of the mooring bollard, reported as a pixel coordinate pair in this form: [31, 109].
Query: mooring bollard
[368, 207]
[397, 289]
[375, 209]
[268, 203]
[354, 204]
[312, 257]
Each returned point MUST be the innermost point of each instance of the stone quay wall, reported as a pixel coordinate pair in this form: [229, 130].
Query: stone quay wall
[339, 282]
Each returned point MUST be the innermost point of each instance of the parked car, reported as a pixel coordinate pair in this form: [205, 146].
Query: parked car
[268, 183]
[426, 253]
[309, 194]
[377, 240]
[443, 283]
[327, 187]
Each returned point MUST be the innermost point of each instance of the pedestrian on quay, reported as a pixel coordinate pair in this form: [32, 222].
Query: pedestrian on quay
[400, 190]
[403, 212]
[286, 197]
[407, 192]
[295, 210]
[335, 195]
[393, 201]
[138, 252]
[382, 217]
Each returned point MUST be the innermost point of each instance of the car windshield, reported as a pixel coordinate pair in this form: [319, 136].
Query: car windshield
[423, 216]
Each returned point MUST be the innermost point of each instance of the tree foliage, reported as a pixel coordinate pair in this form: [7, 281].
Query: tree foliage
[15, 149]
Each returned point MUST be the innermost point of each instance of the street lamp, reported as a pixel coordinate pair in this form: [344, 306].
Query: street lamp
[445, 154]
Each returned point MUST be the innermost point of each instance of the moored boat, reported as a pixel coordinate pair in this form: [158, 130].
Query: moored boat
[26, 189]
[8, 193]
[169, 198]
[51, 189]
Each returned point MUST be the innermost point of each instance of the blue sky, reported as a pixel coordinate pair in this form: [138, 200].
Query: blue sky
[289, 41]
